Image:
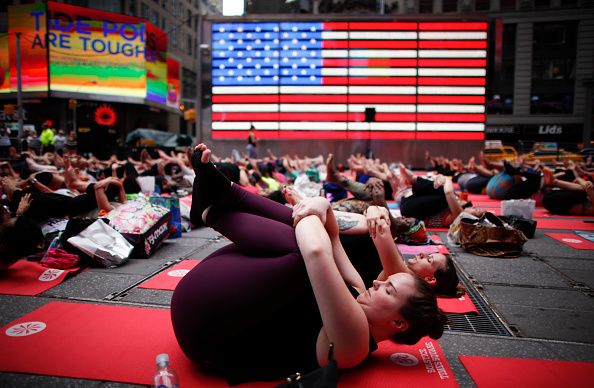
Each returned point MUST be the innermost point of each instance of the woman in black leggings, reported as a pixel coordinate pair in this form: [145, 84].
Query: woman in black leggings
[271, 303]
[568, 194]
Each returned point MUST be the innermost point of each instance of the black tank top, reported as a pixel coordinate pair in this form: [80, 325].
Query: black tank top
[289, 346]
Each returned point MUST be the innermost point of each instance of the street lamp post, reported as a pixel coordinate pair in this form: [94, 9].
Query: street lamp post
[75, 106]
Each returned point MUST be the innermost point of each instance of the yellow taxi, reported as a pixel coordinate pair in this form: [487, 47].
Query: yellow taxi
[548, 152]
[500, 153]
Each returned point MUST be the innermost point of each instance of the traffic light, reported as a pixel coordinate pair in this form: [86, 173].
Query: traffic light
[190, 115]
[182, 107]
[9, 109]
[72, 103]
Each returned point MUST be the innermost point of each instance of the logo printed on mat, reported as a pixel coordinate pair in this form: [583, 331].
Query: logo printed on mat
[25, 329]
[178, 273]
[50, 274]
[404, 359]
[572, 240]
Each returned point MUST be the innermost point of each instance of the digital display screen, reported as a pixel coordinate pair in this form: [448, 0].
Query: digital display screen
[173, 84]
[156, 64]
[96, 52]
[4, 64]
[349, 80]
[30, 21]
[90, 52]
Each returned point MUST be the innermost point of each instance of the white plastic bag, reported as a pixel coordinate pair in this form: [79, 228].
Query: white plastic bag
[518, 207]
[147, 184]
[103, 243]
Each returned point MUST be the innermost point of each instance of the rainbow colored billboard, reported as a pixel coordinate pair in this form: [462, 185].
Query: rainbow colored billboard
[87, 51]
[173, 84]
[29, 21]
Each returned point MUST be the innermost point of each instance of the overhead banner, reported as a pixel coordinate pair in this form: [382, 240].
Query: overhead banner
[96, 52]
[156, 64]
[173, 84]
[89, 52]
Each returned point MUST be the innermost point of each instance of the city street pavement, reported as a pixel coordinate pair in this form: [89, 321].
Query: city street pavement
[543, 302]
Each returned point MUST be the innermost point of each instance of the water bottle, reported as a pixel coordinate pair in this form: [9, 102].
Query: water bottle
[165, 376]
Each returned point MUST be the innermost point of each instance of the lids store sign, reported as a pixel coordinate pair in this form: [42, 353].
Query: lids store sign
[569, 132]
[550, 130]
[562, 132]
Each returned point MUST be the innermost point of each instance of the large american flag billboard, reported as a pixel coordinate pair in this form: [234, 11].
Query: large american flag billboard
[314, 80]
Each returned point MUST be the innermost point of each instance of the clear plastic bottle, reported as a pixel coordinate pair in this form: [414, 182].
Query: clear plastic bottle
[165, 376]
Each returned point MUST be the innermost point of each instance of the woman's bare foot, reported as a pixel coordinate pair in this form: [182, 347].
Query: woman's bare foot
[291, 196]
[9, 186]
[331, 174]
[471, 164]
[549, 178]
[406, 175]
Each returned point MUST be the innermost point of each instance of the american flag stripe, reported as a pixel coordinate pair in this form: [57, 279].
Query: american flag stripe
[352, 135]
[356, 117]
[301, 78]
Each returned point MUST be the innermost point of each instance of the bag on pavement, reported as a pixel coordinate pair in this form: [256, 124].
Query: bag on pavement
[103, 243]
[490, 236]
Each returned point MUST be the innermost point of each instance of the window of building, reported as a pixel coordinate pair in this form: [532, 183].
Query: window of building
[553, 67]
[188, 83]
[500, 71]
[174, 7]
[507, 5]
[542, 3]
[482, 5]
[103, 5]
[189, 18]
[154, 17]
[131, 7]
[425, 6]
[569, 3]
[144, 11]
[190, 45]
[450, 5]
[174, 35]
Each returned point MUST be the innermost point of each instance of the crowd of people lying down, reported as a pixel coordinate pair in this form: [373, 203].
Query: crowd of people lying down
[315, 231]
[35, 188]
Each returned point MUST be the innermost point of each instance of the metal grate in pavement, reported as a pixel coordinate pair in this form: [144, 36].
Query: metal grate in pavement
[487, 322]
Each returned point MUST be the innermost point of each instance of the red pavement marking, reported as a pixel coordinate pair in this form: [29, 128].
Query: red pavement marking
[573, 240]
[494, 372]
[168, 279]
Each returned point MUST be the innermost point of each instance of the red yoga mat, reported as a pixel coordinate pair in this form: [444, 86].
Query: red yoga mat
[564, 224]
[544, 213]
[573, 240]
[479, 197]
[521, 372]
[487, 204]
[31, 278]
[119, 343]
[416, 249]
[438, 229]
[461, 305]
[168, 279]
